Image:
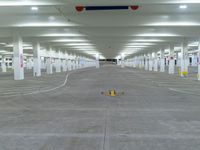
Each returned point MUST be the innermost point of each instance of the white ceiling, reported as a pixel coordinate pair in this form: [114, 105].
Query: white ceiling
[110, 33]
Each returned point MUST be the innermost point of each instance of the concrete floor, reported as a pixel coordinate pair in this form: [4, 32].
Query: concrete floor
[157, 112]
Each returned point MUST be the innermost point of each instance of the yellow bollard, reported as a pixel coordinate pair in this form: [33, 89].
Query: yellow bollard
[112, 93]
[185, 73]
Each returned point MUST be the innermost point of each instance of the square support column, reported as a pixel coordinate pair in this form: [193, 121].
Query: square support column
[97, 61]
[64, 65]
[58, 63]
[184, 59]
[155, 62]
[36, 59]
[49, 66]
[77, 62]
[69, 64]
[162, 60]
[150, 62]
[146, 62]
[171, 60]
[18, 57]
[3, 65]
[198, 75]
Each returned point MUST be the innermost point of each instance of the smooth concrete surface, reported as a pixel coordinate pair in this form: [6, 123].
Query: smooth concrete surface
[157, 112]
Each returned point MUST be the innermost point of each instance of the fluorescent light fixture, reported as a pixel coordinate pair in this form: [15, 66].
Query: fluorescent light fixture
[148, 40]
[28, 48]
[34, 8]
[183, 6]
[174, 24]
[62, 34]
[194, 44]
[137, 44]
[24, 45]
[157, 34]
[51, 18]
[2, 51]
[83, 47]
[70, 40]
[79, 44]
[42, 24]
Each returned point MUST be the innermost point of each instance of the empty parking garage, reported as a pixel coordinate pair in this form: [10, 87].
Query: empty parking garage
[99, 75]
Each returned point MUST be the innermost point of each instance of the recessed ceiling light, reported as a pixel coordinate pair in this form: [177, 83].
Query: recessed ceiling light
[183, 6]
[51, 18]
[34, 8]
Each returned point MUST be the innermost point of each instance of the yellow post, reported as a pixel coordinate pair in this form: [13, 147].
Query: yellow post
[113, 93]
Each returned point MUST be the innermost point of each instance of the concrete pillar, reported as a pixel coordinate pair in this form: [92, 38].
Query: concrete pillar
[150, 62]
[3, 65]
[198, 75]
[50, 61]
[194, 60]
[97, 61]
[58, 62]
[184, 58]
[58, 65]
[177, 59]
[143, 61]
[49, 66]
[73, 64]
[64, 65]
[140, 61]
[162, 60]
[36, 60]
[69, 64]
[122, 60]
[155, 62]
[171, 60]
[134, 63]
[18, 57]
[146, 62]
[77, 62]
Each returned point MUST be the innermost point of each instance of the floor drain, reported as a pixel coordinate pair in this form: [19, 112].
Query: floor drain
[112, 93]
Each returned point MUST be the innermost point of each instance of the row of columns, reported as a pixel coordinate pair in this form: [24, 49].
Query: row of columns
[153, 62]
[60, 61]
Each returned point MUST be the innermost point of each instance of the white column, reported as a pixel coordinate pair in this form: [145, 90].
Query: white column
[69, 64]
[49, 66]
[162, 60]
[194, 60]
[177, 59]
[97, 61]
[143, 61]
[58, 65]
[122, 60]
[49, 62]
[184, 58]
[58, 62]
[150, 62]
[64, 65]
[18, 57]
[199, 61]
[72, 64]
[155, 62]
[77, 62]
[3, 65]
[146, 62]
[171, 60]
[36, 59]
[29, 63]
